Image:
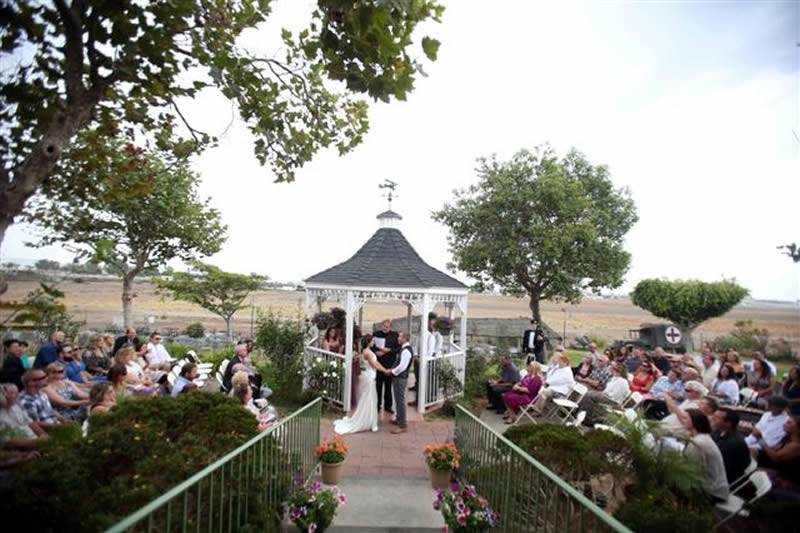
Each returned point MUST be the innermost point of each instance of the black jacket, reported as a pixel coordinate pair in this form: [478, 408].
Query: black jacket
[12, 371]
[735, 453]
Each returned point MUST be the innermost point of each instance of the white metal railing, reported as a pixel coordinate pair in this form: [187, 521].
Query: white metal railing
[434, 393]
[325, 371]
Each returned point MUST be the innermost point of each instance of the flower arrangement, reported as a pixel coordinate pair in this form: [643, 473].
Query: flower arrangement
[332, 450]
[464, 510]
[444, 325]
[442, 456]
[312, 508]
[322, 375]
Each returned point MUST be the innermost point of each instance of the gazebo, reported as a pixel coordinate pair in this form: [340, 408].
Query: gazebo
[387, 269]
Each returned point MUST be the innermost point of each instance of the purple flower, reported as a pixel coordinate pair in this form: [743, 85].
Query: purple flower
[316, 487]
[437, 505]
[454, 486]
[312, 527]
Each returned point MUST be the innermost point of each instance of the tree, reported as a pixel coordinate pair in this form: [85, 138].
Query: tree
[687, 303]
[791, 250]
[47, 264]
[126, 65]
[213, 289]
[129, 211]
[540, 226]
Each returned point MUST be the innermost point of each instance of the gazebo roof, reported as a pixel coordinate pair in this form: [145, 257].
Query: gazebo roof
[387, 259]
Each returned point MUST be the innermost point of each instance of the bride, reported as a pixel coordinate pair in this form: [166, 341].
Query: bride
[365, 417]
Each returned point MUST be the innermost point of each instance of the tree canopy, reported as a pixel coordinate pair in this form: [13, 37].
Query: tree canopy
[542, 226]
[213, 289]
[129, 210]
[125, 66]
[687, 303]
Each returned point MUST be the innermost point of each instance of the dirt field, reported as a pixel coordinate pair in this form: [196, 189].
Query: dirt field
[98, 302]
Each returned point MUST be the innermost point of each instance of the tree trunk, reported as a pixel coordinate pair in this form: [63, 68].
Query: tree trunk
[534, 306]
[228, 327]
[686, 333]
[127, 299]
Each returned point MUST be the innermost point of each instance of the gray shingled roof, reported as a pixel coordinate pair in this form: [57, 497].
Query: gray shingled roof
[386, 260]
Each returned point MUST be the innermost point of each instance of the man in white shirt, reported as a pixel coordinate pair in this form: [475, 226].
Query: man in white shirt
[770, 427]
[710, 368]
[157, 357]
[17, 430]
[399, 375]
[614, 393]
[558, 381]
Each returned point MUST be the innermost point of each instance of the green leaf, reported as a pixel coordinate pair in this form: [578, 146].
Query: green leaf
[430, 47]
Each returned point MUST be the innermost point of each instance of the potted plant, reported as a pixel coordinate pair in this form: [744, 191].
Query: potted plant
[444, 325]
[331, 453]
[464, 510]
[312, 508]
[442, 459]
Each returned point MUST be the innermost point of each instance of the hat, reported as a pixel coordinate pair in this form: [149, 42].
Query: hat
[697, 387]
[9, 342]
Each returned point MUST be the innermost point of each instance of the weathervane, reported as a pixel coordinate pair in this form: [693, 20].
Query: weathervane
[391, 185]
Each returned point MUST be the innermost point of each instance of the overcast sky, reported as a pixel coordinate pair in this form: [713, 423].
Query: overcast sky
[694, 106]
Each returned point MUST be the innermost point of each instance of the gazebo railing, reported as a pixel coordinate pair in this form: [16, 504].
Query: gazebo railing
[434, 389]
[318, 363]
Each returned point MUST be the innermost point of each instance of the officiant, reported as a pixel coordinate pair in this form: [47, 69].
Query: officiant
[387, 347]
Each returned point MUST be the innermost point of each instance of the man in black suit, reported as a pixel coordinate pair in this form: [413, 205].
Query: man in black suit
[533, 341]
[129, 339]
[12, 365]
[731, 443]
[386, 357]
[241, 356]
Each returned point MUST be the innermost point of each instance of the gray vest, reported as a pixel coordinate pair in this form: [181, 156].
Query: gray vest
[404, 373]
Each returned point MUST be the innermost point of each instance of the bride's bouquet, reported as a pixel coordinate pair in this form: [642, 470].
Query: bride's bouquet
[464, 510]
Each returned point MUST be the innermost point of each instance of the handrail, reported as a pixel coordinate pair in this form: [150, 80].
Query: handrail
[606, 518]
[325, 352]
[164, 499]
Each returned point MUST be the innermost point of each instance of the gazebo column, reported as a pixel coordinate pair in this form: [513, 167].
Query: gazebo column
[408, 319]
[422, 378]
[463, 333]
[348, 351]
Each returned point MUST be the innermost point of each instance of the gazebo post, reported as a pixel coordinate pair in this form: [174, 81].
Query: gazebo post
[422, 377]
[408, 319]
[463, 333]
[348, 351]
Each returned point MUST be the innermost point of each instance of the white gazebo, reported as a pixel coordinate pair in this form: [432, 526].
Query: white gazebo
[388, 269]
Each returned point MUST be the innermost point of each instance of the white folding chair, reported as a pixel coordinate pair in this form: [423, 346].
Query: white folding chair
[737, 484]
[525, 411]
[171, 378]
[746, 394]
[578, 420]
[612, 429]
[735, 506]
[567, 407]
[218, 377]
[633, 400]
[223, 366]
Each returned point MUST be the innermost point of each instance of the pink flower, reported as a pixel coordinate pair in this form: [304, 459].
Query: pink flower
[312, 527]
[461, 519]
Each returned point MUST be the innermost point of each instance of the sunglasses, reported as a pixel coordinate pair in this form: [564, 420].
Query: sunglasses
[57, 371]
[39, 378]
[157, 339]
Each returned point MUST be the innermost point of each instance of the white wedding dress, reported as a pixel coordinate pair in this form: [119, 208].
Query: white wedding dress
[365, 417]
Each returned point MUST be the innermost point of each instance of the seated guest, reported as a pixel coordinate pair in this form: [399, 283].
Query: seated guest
[644, 377]
[75, 368]
[703, 448]
[762, 381]
[101, 398]
[187, 376]
[241, 356]
[135, 378]
[710, 368]
[13, 368]
[34, 401]
[601, 373]
[661, 361]
[732, 358]
[64, 395]
[730, 442]
[634, 361]
[47, 353]
[770, 427]
[558, 381]
[158, 358]
[654, 406]
[129, 340]
[725, 387]
[583, 370]
[96, 358]
[674, 423]
[243, 393]
[759, 356]
[791, 390]
[784, 458]
[17, 430]
[523, 393]
[615, 392]
[117, 376]
[509, 375]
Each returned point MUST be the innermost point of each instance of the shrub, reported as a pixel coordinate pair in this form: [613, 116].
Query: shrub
[448, 379]
[658, 512]
[281, 340]
[196, 330]
[176, 349]
[133, 454]
[216, 356]
[475, 377]
[744, 338]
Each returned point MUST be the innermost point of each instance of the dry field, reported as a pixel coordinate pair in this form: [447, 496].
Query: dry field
[98, 302]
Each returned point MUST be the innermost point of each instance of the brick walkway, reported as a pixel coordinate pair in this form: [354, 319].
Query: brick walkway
[387, 456]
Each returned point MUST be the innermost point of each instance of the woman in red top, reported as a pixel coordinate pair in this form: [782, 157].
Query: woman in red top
[644, 377]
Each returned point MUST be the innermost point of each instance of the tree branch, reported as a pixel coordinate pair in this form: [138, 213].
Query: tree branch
[73, 48]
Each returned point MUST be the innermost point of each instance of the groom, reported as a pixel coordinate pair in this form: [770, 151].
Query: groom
[400, 379]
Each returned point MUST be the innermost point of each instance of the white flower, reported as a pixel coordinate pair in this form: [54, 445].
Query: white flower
[325, 374]
[333, 363]
[319, 359]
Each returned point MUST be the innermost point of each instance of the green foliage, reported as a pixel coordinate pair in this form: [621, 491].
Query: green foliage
[47, 264]
[213, 289]
[216, 356]
[43, 311]
[542, 226]
[658, 512]
[687, 303]
[323, 376]
[281, 340]
[126, 67]
[447, 377]
[133, 454]
[176, 349]
[792, 251]
[196, 330]
[475, 376]
[744, 338]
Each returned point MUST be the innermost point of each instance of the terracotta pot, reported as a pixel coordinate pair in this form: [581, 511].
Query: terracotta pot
[331, 473]
[440, 479]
